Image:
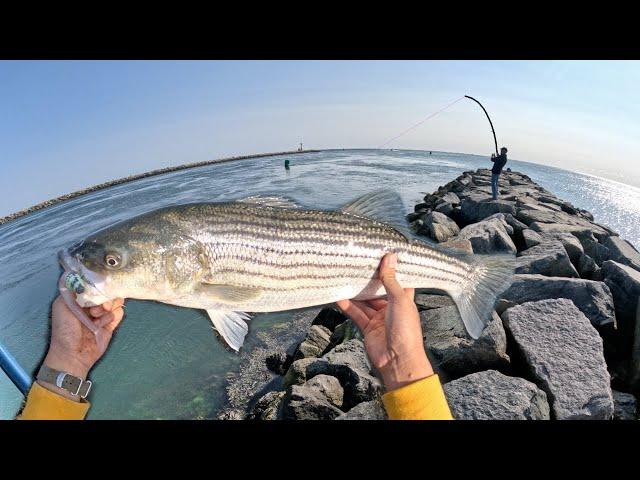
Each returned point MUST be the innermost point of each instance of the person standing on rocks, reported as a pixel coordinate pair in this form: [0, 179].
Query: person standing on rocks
[498, 164]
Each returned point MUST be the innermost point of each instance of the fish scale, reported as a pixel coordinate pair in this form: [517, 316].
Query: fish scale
[266, 255]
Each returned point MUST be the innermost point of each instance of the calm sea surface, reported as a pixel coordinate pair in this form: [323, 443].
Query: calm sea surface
[165, 361]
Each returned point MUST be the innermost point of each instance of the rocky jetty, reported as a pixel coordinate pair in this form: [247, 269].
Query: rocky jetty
[563, 343]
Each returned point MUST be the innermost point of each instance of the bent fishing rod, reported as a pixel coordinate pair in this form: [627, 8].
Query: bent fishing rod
[488, 118]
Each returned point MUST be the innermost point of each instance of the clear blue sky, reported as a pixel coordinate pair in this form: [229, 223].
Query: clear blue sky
[68, 125]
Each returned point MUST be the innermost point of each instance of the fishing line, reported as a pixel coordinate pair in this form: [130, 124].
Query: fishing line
[421, 121]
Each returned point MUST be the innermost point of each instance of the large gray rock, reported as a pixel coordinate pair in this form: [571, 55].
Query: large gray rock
[297, 372]
[624, 406]
[624, 283]
[459, 244]
[570, 243]
[453, 351]
[479, 205]
[565, 356]
[372, 410]
[316, 341]
[587, 268]
[451, 198]
[439, 227]
[489, 236]
[580, 231]
[329, 387]
[549, 258]
[592, 298]
[531, 238]
[490, 395]
[623, 252]
[426, 301]
[304, 403]
[596, 250]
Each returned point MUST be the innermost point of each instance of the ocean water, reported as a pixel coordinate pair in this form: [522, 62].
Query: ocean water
[165, 361]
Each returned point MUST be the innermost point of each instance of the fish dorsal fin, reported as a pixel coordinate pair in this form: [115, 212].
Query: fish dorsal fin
[383, 206]
[229, 294]
[270, 201]
[232, 326]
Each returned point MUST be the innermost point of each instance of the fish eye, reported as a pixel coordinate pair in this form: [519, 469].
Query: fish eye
[112, 260]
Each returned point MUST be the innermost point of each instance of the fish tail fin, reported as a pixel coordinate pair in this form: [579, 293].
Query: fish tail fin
[492, 275]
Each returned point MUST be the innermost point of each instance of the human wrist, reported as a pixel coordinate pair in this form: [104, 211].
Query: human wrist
[64, 362]
[406, 370]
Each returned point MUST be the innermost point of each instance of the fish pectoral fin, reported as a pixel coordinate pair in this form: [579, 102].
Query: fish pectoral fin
[232, 326]
[230, 294]
[383, 206]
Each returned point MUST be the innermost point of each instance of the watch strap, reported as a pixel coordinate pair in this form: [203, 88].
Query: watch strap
[72, 384]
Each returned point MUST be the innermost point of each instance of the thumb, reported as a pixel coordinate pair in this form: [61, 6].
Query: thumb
[388, 277]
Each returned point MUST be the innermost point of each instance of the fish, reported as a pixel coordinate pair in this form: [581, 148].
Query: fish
[269, 253]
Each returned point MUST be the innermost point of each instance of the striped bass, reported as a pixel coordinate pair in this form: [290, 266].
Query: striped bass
[267, 254]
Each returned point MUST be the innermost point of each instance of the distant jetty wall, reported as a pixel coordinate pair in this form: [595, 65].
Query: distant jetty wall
[131, 178]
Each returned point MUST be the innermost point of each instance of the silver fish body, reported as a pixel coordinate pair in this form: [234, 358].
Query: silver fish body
[261, 255]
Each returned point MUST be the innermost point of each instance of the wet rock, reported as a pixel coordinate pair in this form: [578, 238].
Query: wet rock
[329, 387]
[426, 301]
[531, 238]
[268, 407]
[490, 395]
[347, 362]
[305, 403]
[549, 258]
[565, 356]
[623, 252]
[592, 298]
[232, 414]
[444, 207]
[329, 317]
[343, 332]
[439, 227]
[625, 407]
[278, 362]
[488, 236]
[453, 351]
[315, 343]
[587, 268]
[372, 410]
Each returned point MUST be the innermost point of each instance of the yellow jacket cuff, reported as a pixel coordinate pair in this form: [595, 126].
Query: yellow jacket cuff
[420, 400]
[43, 404]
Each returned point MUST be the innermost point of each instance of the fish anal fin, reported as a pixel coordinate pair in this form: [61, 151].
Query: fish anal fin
[232, 326]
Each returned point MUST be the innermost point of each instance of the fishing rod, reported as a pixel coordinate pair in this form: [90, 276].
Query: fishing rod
[490, 123]
[14, 371]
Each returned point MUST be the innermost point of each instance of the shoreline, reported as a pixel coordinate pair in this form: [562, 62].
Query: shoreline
[131, 178]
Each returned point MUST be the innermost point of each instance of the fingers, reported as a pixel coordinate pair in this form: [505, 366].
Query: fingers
[388, 277]
[353, 311]
[107, 306]
[378, 303]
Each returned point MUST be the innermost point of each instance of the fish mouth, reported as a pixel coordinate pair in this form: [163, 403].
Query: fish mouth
[71, 263]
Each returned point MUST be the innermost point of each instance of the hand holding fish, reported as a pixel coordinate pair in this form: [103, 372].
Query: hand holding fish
[392, 330]
[73, 347]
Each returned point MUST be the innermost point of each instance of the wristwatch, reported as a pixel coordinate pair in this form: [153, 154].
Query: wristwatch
[72, 384]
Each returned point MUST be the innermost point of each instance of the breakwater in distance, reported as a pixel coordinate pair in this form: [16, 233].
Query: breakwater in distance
[130, 178]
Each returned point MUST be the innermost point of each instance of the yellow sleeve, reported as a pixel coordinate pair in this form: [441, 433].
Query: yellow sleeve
[43, 404]
[420, 400]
